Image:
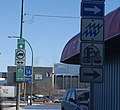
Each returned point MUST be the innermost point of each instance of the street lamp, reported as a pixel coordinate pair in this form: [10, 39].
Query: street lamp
[31, 88]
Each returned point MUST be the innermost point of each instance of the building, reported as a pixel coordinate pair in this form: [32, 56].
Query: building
[67, 76]
[41, 79]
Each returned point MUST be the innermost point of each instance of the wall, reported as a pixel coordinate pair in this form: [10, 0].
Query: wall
[108, 92]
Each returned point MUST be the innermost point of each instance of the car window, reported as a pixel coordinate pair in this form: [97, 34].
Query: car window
[72, 95]
[65, 95]
[83, 96]
[68, 95]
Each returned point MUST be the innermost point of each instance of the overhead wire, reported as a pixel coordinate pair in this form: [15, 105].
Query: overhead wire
[48, 16]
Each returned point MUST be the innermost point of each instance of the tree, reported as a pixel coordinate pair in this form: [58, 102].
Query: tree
[44, 87]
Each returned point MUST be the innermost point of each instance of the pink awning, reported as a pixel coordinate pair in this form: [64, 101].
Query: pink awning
[71, 50]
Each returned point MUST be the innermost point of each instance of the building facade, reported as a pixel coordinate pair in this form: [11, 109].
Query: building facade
[67, 76]
[42, 78]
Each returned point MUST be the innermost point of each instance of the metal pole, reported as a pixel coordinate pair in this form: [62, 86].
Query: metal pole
[31, 87]
[18, 84]
[22, 14]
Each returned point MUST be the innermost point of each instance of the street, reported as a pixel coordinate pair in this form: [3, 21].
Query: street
[36, 107]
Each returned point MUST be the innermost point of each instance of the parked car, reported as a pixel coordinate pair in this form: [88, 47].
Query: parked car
[41, 99]
[75, 99]
[56, 100]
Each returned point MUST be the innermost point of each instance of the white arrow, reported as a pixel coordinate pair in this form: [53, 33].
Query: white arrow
[21, 46]
[95, 9]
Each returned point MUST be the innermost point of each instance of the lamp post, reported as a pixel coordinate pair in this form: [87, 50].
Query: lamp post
[31, 88]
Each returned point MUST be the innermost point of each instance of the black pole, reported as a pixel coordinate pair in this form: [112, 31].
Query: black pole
[21, 27]
[18, 84]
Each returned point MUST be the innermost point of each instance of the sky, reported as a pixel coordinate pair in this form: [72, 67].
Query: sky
[47, 35]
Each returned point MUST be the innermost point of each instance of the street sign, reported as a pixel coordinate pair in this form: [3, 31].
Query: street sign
[21, 44]
[93, 0]
[92, 9]
[20, 53]
[20, 62]
[91, 74]
[20, 57]
[20, 70]
[92, 29]
[28, 73]
[91, 54]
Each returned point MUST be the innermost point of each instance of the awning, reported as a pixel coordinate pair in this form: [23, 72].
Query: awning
[71, 50]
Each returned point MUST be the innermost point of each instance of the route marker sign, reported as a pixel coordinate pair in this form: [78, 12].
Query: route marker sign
[28, 73]
[20, 53]
[20, 56]
[92, 9]
[91, 74]
[20, 70]
[92, 29]
[21, 43]
[91, 54]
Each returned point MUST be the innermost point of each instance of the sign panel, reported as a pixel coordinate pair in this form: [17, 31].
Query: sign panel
[21, 44]
[28, 73]
[20, 62]
[20, 57]
[91, 74]
[91, 54]
[20, 54]
[20, 70]
[38, 76]
[92, 9]
[92, 29]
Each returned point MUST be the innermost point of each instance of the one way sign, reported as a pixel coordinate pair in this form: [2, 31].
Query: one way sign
[91, 74]
[92, 9]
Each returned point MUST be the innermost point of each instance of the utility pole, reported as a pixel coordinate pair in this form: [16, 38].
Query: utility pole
[18, 83]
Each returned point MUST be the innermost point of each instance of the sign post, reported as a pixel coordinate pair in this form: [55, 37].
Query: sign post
[92, 43]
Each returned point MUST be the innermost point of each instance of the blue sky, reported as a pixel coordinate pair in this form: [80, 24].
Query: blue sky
[47, 36]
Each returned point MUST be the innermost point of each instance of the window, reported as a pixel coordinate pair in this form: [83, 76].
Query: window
[73, 95]
[68, 96]
[83, 96]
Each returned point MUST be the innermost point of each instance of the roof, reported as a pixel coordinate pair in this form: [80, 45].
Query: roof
[71, 50]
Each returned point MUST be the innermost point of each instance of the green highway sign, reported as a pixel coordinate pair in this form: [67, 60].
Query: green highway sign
[21, 44]
[20, 70]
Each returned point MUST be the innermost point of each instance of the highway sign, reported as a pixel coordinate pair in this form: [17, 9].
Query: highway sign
[20, 54]
[92, 9]
[20, 62]
[92, 29]
[21, 44]
[20, 70]
[91, 74]
[28, 70]
[93, 0]
[91, 54]
[28, 73]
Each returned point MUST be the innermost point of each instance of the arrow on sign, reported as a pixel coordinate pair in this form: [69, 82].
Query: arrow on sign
[20, 62]
[94, 74]
[95, 9]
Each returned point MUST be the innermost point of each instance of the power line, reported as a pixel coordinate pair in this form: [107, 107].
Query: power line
[49, 16]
